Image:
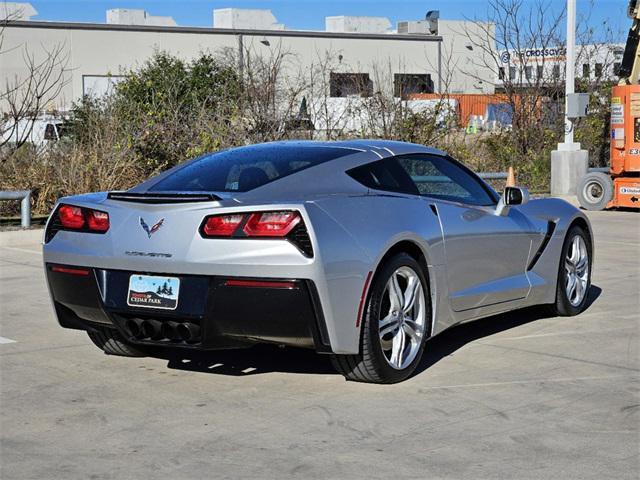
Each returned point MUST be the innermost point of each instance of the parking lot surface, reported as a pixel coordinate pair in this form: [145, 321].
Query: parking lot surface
[520, 395]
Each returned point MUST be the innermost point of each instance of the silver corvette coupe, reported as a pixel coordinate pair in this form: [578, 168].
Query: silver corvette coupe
[359, 249]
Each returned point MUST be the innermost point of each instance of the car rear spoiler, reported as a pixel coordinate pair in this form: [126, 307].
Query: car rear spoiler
[158, 197]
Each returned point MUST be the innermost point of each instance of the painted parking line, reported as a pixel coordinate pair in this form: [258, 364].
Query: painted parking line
[25, 250]
[6, 340]
[557, 334]
[525, 382]
[612, 242]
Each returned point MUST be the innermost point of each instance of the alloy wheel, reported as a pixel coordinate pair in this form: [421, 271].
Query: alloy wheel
[577, 271]
[402, 320]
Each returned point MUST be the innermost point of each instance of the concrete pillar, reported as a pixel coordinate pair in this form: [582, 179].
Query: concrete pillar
[567, 168]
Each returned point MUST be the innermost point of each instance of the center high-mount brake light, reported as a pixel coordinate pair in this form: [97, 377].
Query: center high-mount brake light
[83, 219]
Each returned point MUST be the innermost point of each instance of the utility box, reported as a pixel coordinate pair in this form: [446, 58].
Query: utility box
[577, 105]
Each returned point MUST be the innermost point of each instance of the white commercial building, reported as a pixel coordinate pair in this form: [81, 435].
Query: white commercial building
[530, 66]
[363, 56]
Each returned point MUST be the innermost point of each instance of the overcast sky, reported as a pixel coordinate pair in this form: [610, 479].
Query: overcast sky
[309, 14]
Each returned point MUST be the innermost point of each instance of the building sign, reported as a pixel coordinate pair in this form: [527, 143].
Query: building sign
[546, 54]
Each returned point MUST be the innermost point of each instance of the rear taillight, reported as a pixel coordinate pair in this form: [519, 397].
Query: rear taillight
[285, 224]
[271, 224]
[258, 224]
[71, 217]
[221, 225]
[79, 219]
[97, 221]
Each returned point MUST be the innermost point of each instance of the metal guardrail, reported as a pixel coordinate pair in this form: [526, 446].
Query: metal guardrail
[25, 204]
[493, 175]
[445, 179]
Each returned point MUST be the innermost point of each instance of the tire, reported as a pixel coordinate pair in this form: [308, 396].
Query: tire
[374, 364]
[112, 343]
[595, 191]
[566, 304]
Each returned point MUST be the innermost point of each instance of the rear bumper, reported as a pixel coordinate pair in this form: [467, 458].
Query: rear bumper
[228, 312]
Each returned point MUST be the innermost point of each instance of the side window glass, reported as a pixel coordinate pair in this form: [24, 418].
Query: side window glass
[440, 177]
[385, 175]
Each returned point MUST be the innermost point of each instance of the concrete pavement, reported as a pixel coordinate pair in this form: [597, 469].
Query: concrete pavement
[513, 396]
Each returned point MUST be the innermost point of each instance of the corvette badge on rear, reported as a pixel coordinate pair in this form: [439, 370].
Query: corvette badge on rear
[153, 292]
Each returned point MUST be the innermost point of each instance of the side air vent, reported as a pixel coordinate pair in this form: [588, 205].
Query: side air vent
[551, 226]
[148, 197]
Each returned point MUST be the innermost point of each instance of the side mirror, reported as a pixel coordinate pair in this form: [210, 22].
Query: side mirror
[511, 196]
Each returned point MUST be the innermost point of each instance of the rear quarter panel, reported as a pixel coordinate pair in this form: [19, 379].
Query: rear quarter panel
[353, 234]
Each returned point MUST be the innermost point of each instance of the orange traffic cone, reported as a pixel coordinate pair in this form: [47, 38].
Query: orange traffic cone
[511, 178]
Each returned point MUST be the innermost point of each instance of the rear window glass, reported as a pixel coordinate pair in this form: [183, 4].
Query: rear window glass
[245, 168]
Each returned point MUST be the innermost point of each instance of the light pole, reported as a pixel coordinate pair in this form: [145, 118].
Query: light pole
[569, 163]
[570, 77]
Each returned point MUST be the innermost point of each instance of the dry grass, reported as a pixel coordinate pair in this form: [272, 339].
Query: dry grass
[64, 170]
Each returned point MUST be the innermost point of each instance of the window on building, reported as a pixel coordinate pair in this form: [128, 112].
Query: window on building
[349, 84]
[585, 70]
[539, 72]
[408, 83]
[528, 72]
[512, 73]
[501, 73]
[598, 70]
[616, 68]
[51, 132]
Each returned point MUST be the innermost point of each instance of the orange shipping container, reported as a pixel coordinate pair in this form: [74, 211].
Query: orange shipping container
[468, 103]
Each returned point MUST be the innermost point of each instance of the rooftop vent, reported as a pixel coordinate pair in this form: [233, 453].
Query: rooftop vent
[348, 24]
[16, 11]
[428, 26]
[245, 19]
[134, 16]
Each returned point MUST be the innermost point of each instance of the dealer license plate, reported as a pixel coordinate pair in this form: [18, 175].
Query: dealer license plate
[153, 291]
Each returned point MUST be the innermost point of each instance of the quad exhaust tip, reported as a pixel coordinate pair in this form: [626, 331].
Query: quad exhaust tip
[169, 330]
[134, 327]
[156, 330]
[189, 332]
[151, 329]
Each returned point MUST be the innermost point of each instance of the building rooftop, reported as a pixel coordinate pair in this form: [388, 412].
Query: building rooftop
[222, 31]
